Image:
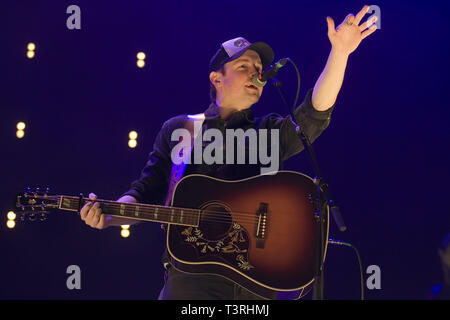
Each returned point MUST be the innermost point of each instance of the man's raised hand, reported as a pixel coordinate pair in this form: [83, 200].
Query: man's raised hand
[349, 34]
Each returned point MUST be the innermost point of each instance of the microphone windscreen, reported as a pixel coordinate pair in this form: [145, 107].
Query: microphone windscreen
[258, 83]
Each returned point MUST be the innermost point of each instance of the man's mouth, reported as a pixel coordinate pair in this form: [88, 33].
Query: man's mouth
[251, 87]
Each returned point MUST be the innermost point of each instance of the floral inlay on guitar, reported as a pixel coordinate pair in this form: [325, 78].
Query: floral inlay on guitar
[235, 243]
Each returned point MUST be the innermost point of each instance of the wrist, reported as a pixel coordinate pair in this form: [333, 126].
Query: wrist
[339, 53]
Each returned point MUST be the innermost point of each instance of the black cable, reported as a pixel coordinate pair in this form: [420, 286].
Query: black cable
[346, 244]
[298, 83]
[277, 83]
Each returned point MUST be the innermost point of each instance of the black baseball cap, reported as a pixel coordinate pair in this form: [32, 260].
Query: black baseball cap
[234, 48]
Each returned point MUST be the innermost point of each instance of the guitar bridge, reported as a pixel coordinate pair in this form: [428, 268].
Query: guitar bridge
[261, 224]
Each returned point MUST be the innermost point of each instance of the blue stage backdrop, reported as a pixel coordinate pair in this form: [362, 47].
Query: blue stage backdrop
[385, 153]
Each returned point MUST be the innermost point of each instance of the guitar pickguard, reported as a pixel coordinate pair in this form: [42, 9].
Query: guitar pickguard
[233, 247]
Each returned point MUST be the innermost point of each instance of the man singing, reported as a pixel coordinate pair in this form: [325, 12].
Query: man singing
[233, 93]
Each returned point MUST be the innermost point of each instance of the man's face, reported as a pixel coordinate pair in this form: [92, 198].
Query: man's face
[235, 88]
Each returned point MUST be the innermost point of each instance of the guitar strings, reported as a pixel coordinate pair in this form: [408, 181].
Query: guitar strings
[189, 213]
[166, 212]
[167, 208]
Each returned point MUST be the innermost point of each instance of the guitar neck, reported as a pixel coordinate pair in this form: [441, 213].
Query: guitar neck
[138, 211]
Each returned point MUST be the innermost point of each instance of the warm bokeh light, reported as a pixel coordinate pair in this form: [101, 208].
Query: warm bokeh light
[125, 226]
[30, 54]
[141, 55]
[11, 215]
[140, 63]
[20, 125]
[20, 134]
[10, 224]
[125, 233]
[31, 46]
[133, 135]
[132, 143]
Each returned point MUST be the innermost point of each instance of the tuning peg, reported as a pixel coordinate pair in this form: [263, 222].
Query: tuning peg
[32, 216]
[43, 215]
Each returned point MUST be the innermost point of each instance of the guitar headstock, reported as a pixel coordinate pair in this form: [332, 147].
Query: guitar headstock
[35, 204]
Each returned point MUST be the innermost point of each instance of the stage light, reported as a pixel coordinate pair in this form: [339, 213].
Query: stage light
[11, 215]
[125, 233]
[133, 135]
[125, 226]
[140, 63]
[31, 47]
[10, 224]
[20, 134]
[20, 125]
[132, 143]
[141, 56]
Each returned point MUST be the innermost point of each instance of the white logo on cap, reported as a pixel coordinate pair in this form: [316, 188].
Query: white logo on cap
[234, 45]
[241, 43]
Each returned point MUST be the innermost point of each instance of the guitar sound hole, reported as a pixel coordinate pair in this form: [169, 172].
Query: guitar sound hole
[215, 222]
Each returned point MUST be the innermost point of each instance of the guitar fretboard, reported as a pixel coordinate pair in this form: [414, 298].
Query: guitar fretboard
[138, 211]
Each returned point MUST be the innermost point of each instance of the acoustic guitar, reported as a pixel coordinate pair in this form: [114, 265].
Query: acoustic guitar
[260, 232]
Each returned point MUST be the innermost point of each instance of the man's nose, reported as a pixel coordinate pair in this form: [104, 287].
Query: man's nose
[255, 72]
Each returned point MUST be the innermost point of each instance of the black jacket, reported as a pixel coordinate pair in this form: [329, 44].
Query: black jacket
[151, 187]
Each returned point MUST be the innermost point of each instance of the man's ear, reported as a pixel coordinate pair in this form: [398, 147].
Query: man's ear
[215, 78]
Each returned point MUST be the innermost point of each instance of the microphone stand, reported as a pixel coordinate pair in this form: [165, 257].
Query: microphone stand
[324, 198]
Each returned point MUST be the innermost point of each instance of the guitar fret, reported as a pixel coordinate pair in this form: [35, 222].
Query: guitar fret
[142, 211]
[68, 203]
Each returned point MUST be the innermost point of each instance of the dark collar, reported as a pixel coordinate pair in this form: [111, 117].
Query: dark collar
[246, 115]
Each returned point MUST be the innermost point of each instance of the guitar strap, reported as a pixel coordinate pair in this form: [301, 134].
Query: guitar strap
[193, 124]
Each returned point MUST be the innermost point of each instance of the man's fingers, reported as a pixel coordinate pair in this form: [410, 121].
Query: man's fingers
[92, 214]
[96, 218]
[85, 211]
[101, 222]
[349, 19]
[368, 23]
[96, 211]
[368, 32]
[361, 14]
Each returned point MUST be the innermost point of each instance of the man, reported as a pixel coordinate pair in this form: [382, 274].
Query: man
[231, 71]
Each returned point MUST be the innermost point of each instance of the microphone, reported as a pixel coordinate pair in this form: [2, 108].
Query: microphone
[260, 80]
